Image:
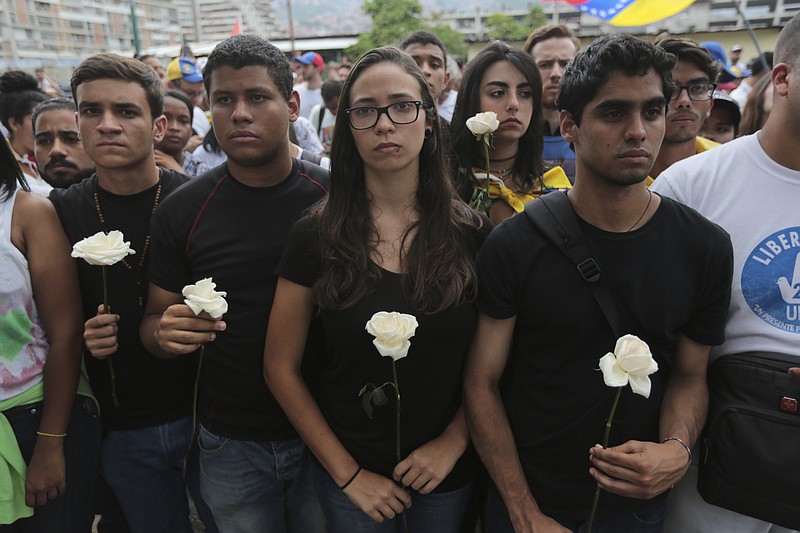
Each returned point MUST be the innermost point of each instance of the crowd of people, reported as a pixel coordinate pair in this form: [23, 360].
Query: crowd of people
[338, 222]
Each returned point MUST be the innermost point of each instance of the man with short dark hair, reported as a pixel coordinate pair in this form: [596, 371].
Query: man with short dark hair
[537, 432]
[750, 187]
[145, 401]
[430, 54]
[310, 90]
[57, 145]
[695, 74]
[231, 224]
[552, 48]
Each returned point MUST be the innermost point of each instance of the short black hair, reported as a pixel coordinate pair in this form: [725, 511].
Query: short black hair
[688, 50]
[787, 48]
[66, 104]
[331, 89]
[425, 37]
[594, 65]
[245, 50]
[182, 96]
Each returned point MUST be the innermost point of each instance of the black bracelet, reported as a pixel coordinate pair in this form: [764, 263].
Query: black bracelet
[351, 479]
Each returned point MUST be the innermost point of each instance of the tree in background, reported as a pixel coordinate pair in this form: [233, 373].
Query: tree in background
[393, 20]
[500, 26]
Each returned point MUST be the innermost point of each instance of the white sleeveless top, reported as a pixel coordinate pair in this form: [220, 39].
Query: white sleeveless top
[23, 343]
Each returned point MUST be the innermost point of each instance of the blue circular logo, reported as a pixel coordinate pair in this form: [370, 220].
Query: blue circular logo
[771, 280]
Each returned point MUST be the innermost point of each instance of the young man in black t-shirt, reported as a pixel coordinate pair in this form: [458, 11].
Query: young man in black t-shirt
[145, 401]
[668, 272]
[231, 224]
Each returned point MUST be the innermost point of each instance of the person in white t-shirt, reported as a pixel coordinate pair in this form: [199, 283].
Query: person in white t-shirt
[750, 187]
[310, 90]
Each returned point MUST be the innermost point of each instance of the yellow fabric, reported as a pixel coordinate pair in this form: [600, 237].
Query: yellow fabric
[554, 178]
[13, 470]
[644, 12]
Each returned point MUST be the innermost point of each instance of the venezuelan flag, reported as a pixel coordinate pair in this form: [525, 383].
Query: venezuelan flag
[629, 12]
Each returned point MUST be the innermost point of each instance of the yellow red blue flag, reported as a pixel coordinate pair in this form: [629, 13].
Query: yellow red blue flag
[629, 12]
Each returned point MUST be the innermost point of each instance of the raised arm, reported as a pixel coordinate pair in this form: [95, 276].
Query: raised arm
[377, 496]
[489, 427]
[37, 233]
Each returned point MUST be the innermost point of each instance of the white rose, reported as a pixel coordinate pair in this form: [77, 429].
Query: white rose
[102, 249]
[631, 363]
[392, 331]
[202, 297]
[483, 123]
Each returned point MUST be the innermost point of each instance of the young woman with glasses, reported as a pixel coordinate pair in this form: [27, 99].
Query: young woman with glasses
[505, 80]
[391, 236]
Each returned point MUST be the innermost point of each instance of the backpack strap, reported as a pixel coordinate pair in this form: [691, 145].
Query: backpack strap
[320, 117]
[553, 214]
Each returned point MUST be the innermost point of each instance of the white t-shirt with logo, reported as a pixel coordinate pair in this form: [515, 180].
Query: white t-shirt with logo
[738, 186]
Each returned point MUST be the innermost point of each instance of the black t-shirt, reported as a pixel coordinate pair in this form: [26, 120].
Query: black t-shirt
[150, 390]
[219, 227]
[429, 377]
[671, 276]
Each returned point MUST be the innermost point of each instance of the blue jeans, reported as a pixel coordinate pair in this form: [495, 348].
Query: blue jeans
[429, 513]
[72, 511]
[144, 468]
[648, 519]
[262, 487]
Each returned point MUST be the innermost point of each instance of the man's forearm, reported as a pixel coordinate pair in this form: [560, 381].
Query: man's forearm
[494, 441]
[685, 408]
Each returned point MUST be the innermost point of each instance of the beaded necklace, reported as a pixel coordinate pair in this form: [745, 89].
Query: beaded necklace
[146, 246]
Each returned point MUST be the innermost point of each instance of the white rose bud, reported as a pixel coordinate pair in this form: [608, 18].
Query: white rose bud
[631, 363]
[483, 123]
[102, 249]
[392, 331]
[202, 297]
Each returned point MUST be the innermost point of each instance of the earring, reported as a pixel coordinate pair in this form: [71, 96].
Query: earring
[428, 133]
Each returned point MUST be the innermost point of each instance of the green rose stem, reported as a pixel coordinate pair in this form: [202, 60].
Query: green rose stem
[487, 140]
[605, 445]
[106, 310]
[397, 427]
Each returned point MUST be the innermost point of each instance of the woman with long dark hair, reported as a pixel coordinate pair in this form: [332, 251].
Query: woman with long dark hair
[49, 440]
[19, 95]
[505, 80]
[391, 237]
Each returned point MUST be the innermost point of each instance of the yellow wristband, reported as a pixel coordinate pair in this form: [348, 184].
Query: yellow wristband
[55, 435]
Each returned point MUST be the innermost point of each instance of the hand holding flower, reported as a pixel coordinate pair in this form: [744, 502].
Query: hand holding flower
[183, 328]
[100, 334]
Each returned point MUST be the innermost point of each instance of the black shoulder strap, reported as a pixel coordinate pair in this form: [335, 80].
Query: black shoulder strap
[320, 118]
[553, 214]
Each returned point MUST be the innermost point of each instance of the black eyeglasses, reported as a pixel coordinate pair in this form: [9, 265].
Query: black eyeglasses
[699, 92]
[363, 118]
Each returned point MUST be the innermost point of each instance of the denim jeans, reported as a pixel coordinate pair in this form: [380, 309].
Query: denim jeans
[648, 519]
[144, 468]
[429, 513]
[72, 511]
[262, 487]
